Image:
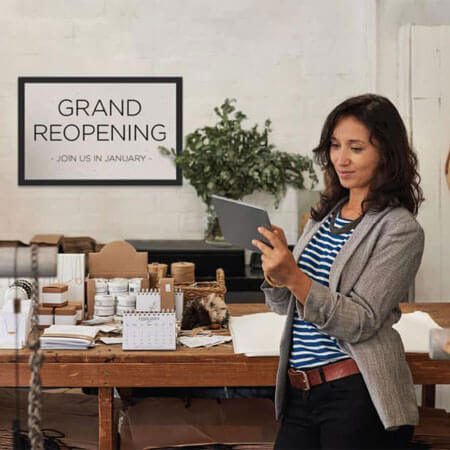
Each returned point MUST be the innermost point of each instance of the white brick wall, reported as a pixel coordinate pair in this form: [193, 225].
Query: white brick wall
[290, 60]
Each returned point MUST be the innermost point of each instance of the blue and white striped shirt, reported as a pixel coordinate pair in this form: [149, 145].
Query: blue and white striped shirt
[310, 346]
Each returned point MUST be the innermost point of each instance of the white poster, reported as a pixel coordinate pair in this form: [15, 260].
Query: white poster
[99, 130]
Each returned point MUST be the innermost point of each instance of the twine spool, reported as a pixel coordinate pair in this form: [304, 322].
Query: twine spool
[183, 272]
[156, 271]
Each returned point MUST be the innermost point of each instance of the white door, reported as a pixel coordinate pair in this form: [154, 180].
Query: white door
[425, 106]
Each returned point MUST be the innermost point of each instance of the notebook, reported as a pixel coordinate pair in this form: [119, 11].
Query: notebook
[149, 331]
[68, 337]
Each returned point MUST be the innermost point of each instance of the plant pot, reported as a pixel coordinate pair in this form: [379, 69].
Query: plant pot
[213, 233]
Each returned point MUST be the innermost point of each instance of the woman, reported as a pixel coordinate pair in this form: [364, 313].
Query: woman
[343, 381]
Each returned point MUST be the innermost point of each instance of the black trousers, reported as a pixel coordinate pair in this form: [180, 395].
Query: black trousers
[337, 414]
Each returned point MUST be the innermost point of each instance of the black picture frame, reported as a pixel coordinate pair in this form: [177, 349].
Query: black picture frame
[23, 81]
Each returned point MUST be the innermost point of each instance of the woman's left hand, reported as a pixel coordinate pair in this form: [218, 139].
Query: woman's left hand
[277, 262]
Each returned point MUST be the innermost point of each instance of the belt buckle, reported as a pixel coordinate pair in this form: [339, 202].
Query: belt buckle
[305, 379]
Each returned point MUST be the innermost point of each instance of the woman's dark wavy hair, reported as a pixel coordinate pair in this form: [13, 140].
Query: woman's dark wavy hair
[396, 181]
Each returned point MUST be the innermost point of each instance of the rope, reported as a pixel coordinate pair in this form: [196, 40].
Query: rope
[17, 305]
[35, 362]
[183, 272]
[156, 271]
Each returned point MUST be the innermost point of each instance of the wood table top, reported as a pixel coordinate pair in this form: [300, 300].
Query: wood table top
[102, 353]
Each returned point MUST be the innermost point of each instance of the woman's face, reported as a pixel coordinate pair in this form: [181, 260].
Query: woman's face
[353, 156]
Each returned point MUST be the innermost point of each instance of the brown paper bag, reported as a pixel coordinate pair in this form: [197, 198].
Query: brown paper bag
[167, 291]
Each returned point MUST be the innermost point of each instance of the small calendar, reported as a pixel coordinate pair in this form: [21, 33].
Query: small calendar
[148, 300]
[149, 331]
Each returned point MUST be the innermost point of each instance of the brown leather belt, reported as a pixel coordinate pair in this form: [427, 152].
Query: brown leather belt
[304, 380]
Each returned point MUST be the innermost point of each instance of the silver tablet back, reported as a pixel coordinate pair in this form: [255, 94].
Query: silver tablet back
[239, 222]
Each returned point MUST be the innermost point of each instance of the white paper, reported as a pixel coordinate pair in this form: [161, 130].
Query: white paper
[257, 334]
[260, 334]
[111, 340]
[110, 328]
[72, 330]
[414, 329]
[203, 341]
[96, 321]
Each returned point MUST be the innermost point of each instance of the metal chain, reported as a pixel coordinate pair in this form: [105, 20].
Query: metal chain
[35, 362]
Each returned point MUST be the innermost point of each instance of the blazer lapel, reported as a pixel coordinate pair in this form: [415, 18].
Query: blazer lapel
[361, 231]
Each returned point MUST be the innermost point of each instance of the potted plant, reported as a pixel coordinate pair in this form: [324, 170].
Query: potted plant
[231, 161]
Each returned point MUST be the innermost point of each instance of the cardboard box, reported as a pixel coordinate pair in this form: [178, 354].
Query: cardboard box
[12, 243]
[79, 309]
[118, 259]
[53, 304]
[167, 292]
[54, 298]
[55, 288]
[46, 316]
[66, 315]
[162, 422]
[80, 244]
[48, 240]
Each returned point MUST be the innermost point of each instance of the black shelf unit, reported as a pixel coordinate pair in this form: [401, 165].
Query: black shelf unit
[243, 282]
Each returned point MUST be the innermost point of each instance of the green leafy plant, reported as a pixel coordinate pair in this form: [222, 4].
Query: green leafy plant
[229, 160]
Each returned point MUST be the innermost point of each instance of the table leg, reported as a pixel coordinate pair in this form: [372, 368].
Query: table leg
[106, 432]
[428, 395]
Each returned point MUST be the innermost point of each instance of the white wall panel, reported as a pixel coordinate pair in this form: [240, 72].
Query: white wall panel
[430, 97]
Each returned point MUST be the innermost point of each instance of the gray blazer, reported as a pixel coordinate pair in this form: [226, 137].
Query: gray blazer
[369, 277]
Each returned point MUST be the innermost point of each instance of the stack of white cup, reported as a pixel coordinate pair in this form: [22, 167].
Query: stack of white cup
[116, 296]
[118, 287]
[104, 305]
[125, 303]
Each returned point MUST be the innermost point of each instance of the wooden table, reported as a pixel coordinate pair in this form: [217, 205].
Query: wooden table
[106, 367]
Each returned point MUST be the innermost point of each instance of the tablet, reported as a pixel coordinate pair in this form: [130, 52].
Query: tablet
[239, 222]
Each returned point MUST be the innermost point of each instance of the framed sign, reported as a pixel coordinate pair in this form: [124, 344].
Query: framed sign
[99, 131]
